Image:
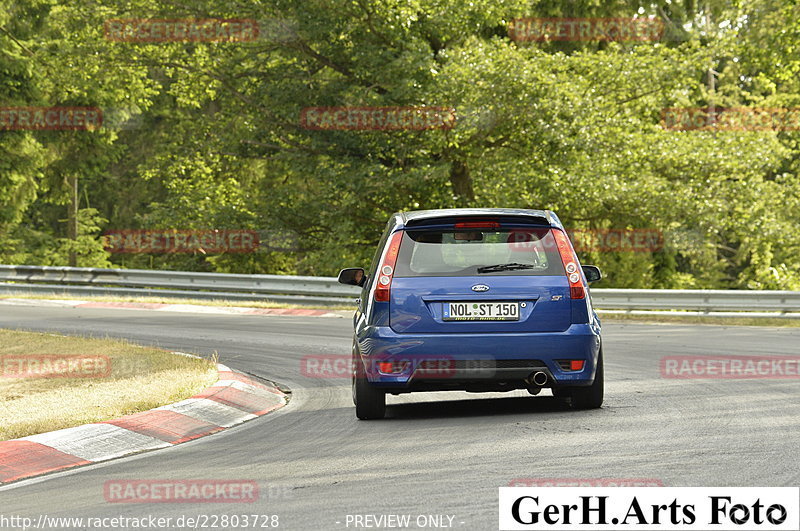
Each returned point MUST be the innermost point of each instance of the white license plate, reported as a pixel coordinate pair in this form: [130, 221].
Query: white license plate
[481, 311]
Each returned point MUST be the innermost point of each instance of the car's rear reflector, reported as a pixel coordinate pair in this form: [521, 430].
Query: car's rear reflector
[392, 367]
[571, 365]
[577, 290]
[386, 270]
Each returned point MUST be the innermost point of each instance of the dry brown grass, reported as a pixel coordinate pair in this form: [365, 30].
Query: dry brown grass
[138, 378]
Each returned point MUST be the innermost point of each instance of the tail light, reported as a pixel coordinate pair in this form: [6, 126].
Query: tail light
[386, 269]
[577, 290]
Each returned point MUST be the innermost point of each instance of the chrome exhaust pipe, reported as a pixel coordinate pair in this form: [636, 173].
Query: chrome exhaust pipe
[539, 378]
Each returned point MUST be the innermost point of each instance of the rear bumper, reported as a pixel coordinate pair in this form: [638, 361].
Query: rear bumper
[476, 361]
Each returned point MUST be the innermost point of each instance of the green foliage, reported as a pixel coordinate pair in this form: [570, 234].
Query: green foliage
[29, 246]
[203, 135]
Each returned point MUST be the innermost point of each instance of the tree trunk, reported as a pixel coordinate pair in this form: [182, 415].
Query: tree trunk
[710, 76]
[72, 217]
[462, 183]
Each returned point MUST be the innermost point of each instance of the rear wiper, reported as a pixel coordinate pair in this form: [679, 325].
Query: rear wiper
[504, 267]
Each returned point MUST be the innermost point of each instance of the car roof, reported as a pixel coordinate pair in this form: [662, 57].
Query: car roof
[414, 217]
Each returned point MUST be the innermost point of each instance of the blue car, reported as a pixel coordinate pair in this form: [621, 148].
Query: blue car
[479, 300]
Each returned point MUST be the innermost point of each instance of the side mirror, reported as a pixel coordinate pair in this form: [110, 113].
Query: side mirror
[352, 276]
[592, 273]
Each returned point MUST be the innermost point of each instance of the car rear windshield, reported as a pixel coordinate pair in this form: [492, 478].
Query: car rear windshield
[478, 252]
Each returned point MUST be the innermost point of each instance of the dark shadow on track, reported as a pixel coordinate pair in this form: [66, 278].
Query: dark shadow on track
[479, 407]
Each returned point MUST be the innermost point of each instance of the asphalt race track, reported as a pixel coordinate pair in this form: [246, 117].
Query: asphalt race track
[435, 454]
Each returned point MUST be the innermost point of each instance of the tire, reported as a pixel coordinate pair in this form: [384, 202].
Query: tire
[590, 397]
[370, 402]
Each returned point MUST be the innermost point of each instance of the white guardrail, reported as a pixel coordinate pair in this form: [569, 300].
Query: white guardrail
[80, 281]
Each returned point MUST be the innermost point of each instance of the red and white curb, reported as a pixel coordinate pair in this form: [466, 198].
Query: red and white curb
[234, 399]
[164, 307]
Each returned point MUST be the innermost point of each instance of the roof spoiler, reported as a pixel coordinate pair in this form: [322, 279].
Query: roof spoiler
[502, 219]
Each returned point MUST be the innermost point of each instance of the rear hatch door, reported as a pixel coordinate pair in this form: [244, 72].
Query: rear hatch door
[478, 279]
